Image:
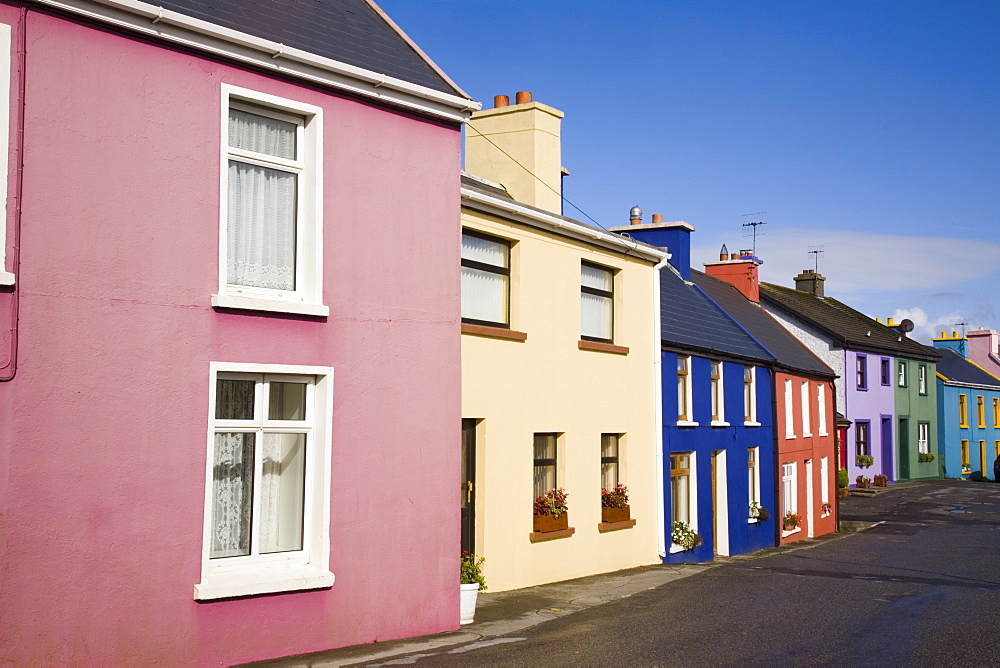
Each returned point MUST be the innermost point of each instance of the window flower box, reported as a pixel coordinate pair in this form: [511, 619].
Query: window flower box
[615, 514]
[547, 523]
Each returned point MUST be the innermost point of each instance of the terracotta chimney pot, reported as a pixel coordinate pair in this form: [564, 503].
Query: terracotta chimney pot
[523, 97]
[500, 101]
[657, 218]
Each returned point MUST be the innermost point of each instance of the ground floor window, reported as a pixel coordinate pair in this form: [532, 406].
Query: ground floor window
[923, 437]
[545, 464]
[753, 476]
[862, 442]
[789, 491]
[965, 455]
[680, 487]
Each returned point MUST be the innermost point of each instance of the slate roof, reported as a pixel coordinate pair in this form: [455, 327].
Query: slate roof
[349, 31]
[848, 328]
[790, 353]
[955, 368]
[690, 321]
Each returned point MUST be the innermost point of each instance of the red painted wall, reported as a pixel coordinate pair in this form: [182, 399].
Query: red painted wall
[803, 448]
[103, 430]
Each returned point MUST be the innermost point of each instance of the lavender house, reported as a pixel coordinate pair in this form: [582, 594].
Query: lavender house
[885, 386]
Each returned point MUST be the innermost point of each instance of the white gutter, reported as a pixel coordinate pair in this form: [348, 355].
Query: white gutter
[148, 19]
[661, 509]
[523, 214]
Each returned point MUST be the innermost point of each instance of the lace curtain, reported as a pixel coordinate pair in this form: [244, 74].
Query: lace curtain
[261, 205]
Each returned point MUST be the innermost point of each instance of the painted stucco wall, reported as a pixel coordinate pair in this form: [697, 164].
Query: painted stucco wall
[951, 432]
[103, 439]
[875, 403]
[912, 408]
[819, 344]
[797, 446]
[547, 384]
[733, 440]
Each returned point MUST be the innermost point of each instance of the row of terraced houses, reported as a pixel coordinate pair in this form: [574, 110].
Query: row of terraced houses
[237, 424]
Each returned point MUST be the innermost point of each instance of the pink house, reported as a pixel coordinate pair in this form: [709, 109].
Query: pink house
[228, 409]
[984, 349]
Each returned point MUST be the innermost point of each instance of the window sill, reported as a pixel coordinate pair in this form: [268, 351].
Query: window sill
[615, 526]
[719, 423]
[541, 536]
[825, 515]
[493, 332]
[751, 423]
[789, 437]
[752, 520]
[599, 347]
[675, 548]
[686, 423]
[824, 433]
[6, 278]
[789, 533]
[262, 580]
[806, 435]
[246, 303]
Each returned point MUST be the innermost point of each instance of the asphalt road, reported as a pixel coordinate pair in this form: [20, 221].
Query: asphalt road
[920, 589]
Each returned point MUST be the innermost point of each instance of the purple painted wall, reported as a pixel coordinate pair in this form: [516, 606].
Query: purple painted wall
[103, 430]
[868, 404]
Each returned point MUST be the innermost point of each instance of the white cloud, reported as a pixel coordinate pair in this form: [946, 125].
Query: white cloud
[927, 327]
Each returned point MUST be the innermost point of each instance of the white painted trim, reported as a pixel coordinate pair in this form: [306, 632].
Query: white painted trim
[719, 423]
[6, 62]
[789, 533]
[661, 507]
[721, 511]
[153, 21]
[686, 423]
[307, 298]
[523, 214]
[751, 424]
[294, 571]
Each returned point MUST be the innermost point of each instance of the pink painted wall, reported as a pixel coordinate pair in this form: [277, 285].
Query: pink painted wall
[103, 430]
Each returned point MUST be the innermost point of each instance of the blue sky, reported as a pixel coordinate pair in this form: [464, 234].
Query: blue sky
[868, 128]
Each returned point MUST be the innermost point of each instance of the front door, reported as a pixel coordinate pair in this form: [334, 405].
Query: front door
[904, 449]
[468, 485]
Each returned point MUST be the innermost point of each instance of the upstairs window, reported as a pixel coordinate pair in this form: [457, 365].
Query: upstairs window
[609, 461]
[963, 411]
[749, 394]
[996, 413]
[717, 396]
[862, 372]
[597, 299]
[485, 280]
[821, 408]
[789, 410]
[981, 411]
[806, 419]
[271, 247]
[683, 388]
[545, 464]
[922, 378]
[901, 373]
[885, 372]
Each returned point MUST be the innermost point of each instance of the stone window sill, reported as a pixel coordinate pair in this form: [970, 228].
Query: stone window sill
[599, 347]
[540, 536]
[493, 332]
[615, 526]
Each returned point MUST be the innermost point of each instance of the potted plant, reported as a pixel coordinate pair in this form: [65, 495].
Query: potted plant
[551, 511]
[966, 469]
[614, 504]
[472, 581]
[881, 480]
[843, 482]
[925, 457]
[863, 482]
[790, 521]
[826, 508]
[758, 512]
[684, 536]
[864, 461]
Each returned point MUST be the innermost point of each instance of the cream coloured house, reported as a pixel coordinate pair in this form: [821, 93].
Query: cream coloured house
[559, 363]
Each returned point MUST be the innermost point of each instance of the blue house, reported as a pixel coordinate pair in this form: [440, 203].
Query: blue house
[968, 412]
[719, 447]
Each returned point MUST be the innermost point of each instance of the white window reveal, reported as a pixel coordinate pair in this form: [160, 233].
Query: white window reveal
[271, 231]
[267, 511]
[789, 410]
[6, 277]
[806, 420]
[824, 482]
[821, 408]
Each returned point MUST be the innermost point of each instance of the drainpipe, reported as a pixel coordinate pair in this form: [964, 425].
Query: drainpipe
[7, 373]
[661, 534]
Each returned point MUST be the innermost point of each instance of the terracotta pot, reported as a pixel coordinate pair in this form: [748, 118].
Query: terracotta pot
[844, 492]
[545, 523]
[614, 514]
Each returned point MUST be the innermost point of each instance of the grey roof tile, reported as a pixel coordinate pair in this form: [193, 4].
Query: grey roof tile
[957, 369]
[788, 350]
[348, 31]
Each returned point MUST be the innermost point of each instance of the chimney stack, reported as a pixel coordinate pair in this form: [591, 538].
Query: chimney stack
[519, 147]
[811, 282]
[739, 270]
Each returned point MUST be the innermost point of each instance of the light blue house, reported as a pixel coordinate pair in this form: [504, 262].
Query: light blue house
[968, 412]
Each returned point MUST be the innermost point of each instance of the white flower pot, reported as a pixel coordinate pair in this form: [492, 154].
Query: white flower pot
[469, 594]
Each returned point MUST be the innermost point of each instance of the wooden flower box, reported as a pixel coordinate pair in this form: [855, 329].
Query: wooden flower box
[546, 523]
[614, 514]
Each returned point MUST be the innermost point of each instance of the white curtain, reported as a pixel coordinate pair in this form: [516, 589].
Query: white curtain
[484, 293]
[261, 205]
[232, 494]
[282, 489]
[596, 310]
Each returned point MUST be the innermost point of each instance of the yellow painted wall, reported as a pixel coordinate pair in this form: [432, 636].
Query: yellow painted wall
[546, 384]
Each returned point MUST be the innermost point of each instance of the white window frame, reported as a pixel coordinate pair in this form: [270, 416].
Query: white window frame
[922, 379]
[901, 374]
[923, 437]
[692, 494]
[307, 297]
[789, 410]
[824, 481]
[789, 493]
[821, 408]
[752, 413]
[6, 277]
[608, 295]
[308, 568]
[806, 411]
[753, 480]
[718, 396]
[688, 419]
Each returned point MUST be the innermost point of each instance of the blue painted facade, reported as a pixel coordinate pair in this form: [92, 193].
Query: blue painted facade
[958, 378]
[703, 441]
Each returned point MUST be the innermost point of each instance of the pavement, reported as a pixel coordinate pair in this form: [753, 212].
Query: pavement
[509, 612]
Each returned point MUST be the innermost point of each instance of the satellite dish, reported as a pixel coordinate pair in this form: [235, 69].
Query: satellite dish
[906, 325]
